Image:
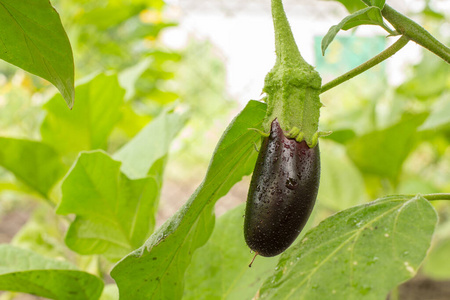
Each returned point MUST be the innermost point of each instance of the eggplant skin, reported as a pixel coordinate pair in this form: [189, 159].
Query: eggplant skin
[282, 192]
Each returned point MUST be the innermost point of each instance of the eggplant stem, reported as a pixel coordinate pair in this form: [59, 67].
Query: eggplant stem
[251, 263]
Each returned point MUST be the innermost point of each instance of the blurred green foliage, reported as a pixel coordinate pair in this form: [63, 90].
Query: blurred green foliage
[386, 139]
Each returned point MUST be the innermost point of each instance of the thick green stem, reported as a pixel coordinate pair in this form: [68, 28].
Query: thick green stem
[292, 86]
[399, 44]
[415, 32]
[285, 46]
[433, 197]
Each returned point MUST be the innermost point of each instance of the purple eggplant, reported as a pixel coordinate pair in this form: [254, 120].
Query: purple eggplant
[282, 192]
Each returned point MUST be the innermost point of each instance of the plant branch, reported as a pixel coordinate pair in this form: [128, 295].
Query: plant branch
[415, 32]
[394, 48]
[432, 197]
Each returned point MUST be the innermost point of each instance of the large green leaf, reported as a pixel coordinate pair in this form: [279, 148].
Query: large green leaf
[114, 214]
[383, 152]
[219, 270]
[89, 124]
[156, 270]
[32, 162]
[150, 144]
[360, 253]
[33, 38]
[28, 272]
[367, 16]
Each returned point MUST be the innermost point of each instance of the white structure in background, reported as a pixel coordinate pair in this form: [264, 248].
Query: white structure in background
[243, 33]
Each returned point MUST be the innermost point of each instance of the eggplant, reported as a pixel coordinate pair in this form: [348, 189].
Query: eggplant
[282, 192]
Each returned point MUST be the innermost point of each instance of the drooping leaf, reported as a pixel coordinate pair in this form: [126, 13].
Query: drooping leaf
[367, 16]
[219, 270]
[383, 152]
[341, 183]
[114, 214]
[150, 144]
[33, 38]
[32, 162]
[89, 124]
[156, 270]
[360, 253]
[28, 272]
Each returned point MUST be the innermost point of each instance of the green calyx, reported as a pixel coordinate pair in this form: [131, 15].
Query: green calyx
[292, 86]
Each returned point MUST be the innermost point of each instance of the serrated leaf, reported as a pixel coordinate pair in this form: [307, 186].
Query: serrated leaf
[33, 38]
[150, 144]
[383, 152]
[89, 124]
[32, 162]
[114, 214]
[219, 269]
[367, 16]
[360, 253]
[28, 272]
[156, 270]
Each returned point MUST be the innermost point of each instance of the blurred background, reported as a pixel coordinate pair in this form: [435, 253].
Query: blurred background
[209, 58]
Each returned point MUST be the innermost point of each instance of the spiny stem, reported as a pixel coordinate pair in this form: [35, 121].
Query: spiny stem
[285, 46]
[415, 32]
[399, 44]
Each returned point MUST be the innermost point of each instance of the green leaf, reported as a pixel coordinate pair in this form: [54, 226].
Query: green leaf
[352, 5]
[360, 253]
[33, 38]
[341, 183]
[155, 271]
[219, 270]
[114, 13]
[383, 152]
[28, 272]
[89, 124]
[377, 3]
[367, 16]
[32, 162]
[150, 144]
[114, 214]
